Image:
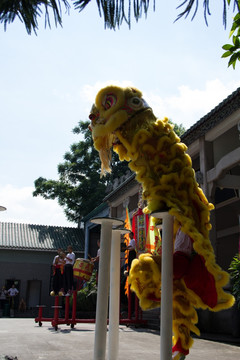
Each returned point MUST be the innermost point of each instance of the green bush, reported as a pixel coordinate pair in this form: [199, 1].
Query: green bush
[87, 296]
[235, 278]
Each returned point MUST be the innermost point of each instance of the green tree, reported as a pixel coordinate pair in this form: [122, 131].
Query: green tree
[234, 270]
[113, 11]
[80, 188]
[179, 129]
[233, 50]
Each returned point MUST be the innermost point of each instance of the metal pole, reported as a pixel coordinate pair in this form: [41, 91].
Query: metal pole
[167, 285]
[103, 285]
[113, 340]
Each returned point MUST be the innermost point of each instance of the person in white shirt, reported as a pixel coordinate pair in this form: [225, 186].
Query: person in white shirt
[12, 292]
[68, 271]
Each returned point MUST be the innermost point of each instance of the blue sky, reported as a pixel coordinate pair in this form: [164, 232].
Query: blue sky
[49, 81]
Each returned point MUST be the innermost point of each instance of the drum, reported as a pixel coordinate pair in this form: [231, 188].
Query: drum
[83, 269]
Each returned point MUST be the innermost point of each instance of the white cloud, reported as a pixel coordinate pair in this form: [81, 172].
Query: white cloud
[190, 104]
[22, 207]
[88, 92]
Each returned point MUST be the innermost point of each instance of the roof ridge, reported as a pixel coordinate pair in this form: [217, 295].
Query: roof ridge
[40, 237]
[210, 119]
[41, 225]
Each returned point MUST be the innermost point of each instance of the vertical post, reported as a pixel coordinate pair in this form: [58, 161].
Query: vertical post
[129, 303]
[74, 306]
[40, 310]
[113, 341]
[167, 285]
[56, 312]
[103, 285]
[66, 308]
[136, 308]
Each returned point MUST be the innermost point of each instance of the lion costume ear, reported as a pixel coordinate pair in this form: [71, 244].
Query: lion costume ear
[109, 100]
[132, 91]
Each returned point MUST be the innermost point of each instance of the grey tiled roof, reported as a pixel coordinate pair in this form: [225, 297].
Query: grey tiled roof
[40, 237]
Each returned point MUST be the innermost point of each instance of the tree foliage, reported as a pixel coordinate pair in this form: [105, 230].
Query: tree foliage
[179, 129]
[87, 296]
[233, 50]
[189, 4]
[79, 188]
[234, 270]
[114, 12]
[28, 11]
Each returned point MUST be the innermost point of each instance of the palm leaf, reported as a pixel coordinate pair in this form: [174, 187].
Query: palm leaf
[189, 4]
[28, 12]
[115, 11]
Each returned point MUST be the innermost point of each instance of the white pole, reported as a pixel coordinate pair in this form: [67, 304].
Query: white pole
[113, 339]
[103, 285]
[167, 285]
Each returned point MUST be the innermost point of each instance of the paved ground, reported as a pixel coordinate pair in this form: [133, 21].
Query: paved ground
[24, 339]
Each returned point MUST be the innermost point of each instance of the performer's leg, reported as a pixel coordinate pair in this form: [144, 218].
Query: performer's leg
[68, 278]
[56, 281]
[65, 279]
[199, 280]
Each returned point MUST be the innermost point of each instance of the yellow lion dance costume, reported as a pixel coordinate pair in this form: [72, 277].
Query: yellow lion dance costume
[122, 120]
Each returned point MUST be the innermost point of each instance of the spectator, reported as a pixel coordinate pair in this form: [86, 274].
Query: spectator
[132, 252]
[12, 292]
[3, 297]
[96, 260]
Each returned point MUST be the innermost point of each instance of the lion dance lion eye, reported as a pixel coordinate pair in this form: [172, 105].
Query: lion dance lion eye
[109, 101]
[92, 117]
[135, 103]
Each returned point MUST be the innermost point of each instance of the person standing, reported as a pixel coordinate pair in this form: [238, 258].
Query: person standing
[3, 297]
[132, 251]
[96, 260]
[58, 268]
[68, 271]
[12, 292]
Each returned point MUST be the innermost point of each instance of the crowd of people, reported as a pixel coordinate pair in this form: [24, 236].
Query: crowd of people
[8, 296]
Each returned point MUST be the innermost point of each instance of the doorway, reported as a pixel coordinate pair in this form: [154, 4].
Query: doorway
[33, 293]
